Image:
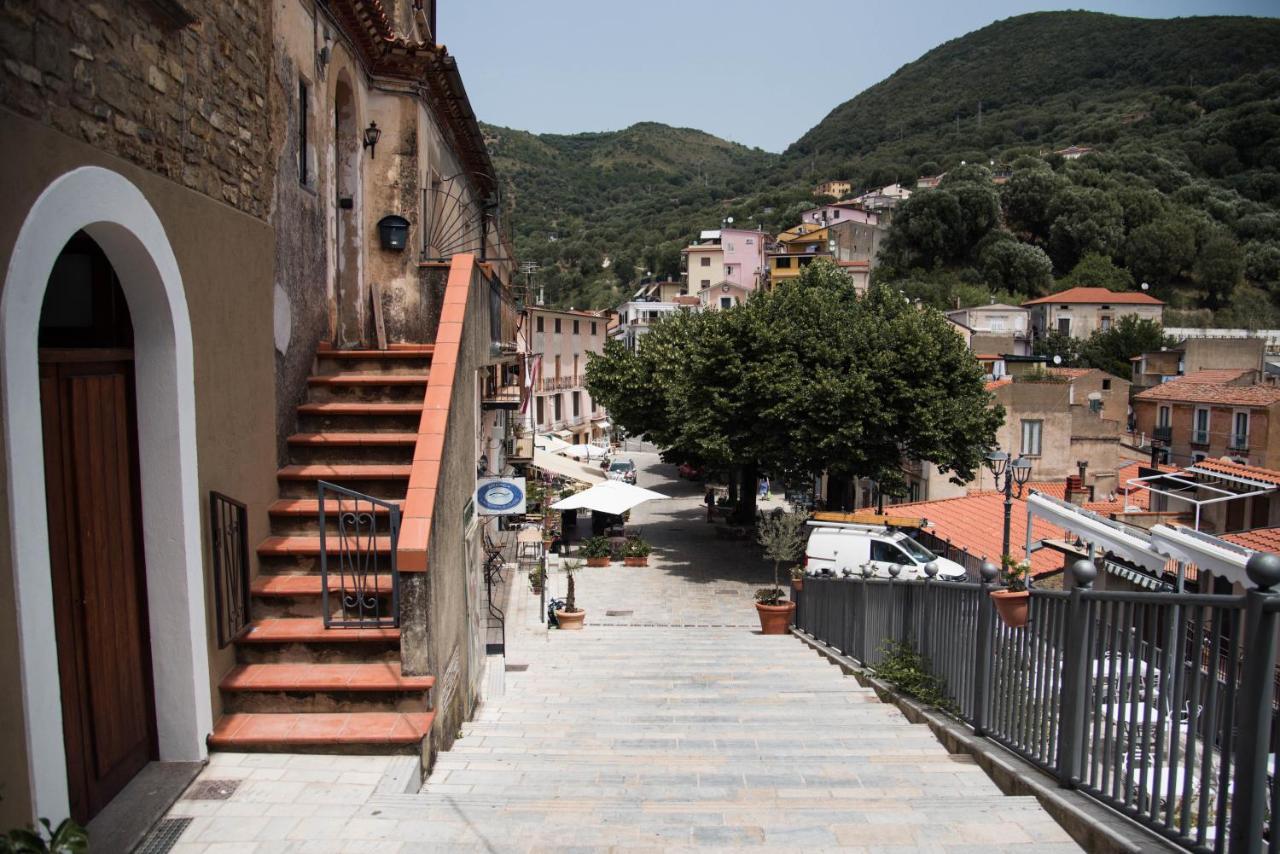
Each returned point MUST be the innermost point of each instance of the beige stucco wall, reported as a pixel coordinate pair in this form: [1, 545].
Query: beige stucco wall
[1086, 318]
[225, 259]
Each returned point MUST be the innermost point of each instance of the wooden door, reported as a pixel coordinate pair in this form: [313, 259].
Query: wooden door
[99, 581]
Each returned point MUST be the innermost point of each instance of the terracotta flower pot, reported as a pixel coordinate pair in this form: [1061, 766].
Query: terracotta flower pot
[598, 561]
[1012, 606]
[571, 622]
[536, 588]
[797, 584]
[636, 561]
[775, 619]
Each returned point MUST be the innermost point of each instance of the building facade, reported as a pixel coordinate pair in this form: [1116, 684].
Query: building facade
[560, 343]
[191, 187]
[1079, 312]
[1204, 415]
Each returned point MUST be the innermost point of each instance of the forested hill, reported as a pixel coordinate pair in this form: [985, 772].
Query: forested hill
[1184, 116]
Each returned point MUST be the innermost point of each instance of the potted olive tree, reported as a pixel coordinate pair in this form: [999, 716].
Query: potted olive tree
[636, 552]
[571, 617]
[1013, 601]
[537, 578]
[596, 550]
[783, 537]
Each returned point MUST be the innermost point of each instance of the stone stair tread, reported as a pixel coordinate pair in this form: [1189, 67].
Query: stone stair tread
[310, 630]
[352, 438]
[366, 379]
[397, 351]
[378, 676]
[302, 544]
[344, 471]
[242, 730]
[266, 585]
[343, 408]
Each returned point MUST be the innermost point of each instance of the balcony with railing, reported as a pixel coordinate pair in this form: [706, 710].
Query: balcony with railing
[1199, 437]
[1238, 442]
[1163, 433]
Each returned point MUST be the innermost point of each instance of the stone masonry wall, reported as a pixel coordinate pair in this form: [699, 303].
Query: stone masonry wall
[186, 103]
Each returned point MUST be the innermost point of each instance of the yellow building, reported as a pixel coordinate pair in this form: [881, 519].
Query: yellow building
[838, 189]
[796, 248]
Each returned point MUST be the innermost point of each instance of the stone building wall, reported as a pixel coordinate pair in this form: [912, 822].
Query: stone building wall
[188, 103]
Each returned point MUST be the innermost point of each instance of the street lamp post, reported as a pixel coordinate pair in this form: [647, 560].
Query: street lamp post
[1010, 474]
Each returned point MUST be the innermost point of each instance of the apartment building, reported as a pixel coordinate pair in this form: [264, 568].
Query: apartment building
[1079, 312]
[1212, 414]
[559, 344]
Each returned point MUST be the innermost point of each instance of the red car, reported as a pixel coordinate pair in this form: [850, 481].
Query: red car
[689, 471]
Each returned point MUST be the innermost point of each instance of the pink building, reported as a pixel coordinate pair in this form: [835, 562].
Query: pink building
[838, 212]
[744, 261]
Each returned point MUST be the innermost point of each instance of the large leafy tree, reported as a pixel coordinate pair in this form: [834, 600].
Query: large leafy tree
[1110, 350]
[806, 378]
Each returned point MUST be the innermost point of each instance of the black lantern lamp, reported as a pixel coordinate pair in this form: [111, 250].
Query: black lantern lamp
[371, 136]
[394, 232]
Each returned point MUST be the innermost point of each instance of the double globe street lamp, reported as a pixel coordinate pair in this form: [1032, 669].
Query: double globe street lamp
[1007, 475]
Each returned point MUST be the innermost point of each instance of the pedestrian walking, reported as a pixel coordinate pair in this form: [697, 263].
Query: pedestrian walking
[710, 500]
[764, 488]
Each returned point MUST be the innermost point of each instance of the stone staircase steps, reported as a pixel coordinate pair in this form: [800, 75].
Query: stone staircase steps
[338, 732]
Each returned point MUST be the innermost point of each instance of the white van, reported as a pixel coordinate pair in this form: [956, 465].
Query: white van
[839, 546]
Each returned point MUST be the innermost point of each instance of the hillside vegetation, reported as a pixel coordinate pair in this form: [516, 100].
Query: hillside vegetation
[1183, 190]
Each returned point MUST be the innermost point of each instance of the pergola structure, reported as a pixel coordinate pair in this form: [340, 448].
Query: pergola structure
[1176, 485]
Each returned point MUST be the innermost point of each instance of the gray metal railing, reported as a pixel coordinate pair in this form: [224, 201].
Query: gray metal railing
[1147, 702]
[358, 559]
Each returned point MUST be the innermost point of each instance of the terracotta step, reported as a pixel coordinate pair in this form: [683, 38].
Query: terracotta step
[242, 731]
[300, 544]
[332, 408]
[400, 351]
[309, 630]
[340, 438]
[383, 676]
[361, 379]
[328, 471]
[295, 586]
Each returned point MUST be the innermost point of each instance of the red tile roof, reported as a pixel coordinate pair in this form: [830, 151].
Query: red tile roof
[1213, 376]
[1254, 473]
[975, 522]
[1070, 373]
[1190, 390]
[995, 384]
[1096, 296]
[1259, 539]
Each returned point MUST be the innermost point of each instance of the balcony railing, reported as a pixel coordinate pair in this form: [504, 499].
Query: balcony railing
[1143, 701]
[559, 383]
[1199, 437]
[1239, 442]
[1163, 433]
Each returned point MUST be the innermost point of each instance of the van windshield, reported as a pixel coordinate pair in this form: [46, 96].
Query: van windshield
[917, 551]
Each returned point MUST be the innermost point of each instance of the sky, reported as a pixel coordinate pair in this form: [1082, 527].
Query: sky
[756, 72]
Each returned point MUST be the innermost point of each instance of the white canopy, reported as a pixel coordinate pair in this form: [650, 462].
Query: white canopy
[1092, 528]
[549, 443]
[1208, 553]
[566, 467]
[585, 452]
[612, 496]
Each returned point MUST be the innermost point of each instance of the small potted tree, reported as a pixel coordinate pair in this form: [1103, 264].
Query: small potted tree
[1013, 601]
[596, 550]
[797, 577]
[537, 578]
[636, 552]
[783, 537]
[571, 617]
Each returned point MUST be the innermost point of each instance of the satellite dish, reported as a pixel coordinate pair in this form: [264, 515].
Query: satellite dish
[729, 220]
[1057, 360]
[1145, 286]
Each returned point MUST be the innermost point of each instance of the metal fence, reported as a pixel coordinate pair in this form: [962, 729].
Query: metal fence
[944, 548]
[358, 559]
[1147, 702]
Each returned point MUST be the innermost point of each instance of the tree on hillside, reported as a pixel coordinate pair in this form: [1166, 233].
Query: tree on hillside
[1219, 268]
[1026, 199]
[1161, 250]
[1096, 271]
[1084, 220]
[1110, 350]
[1009, 265]
[806, 378]
[1055, 343]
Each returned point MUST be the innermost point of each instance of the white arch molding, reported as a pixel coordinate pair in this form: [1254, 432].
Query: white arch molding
[118, 217]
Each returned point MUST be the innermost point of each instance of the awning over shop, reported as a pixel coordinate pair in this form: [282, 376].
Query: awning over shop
[565, 467]
[550, 444]
[612, 496]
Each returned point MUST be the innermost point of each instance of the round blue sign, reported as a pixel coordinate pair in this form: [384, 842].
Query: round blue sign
[499, 495]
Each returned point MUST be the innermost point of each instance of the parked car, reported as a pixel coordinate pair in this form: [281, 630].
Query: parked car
[689, 471]
[837, 546]
[623, 470]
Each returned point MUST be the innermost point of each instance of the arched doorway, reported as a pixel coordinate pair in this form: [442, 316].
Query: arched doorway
[117, 217]
[349, 325]
[94, 507]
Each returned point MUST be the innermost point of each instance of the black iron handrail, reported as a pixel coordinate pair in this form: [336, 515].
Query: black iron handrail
[229, 541]
[365, 580]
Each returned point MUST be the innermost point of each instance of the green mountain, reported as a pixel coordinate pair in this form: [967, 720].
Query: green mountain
[1183, 114]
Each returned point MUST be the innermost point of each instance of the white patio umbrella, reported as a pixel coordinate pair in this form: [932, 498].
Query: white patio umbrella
[612, 496]
[585, 452]
[550, 444]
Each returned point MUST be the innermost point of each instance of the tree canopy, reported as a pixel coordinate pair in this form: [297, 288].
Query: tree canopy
[806, 378]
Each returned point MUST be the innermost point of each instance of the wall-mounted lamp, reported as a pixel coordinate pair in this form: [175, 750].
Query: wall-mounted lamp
[327, 50]
[371, 136]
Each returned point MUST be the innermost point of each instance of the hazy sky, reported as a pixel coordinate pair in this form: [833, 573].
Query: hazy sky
[757, 72]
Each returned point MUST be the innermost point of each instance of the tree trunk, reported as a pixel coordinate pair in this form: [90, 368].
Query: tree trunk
[746, 512]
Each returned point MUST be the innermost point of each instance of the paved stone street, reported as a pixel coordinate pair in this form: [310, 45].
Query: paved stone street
[673, 727]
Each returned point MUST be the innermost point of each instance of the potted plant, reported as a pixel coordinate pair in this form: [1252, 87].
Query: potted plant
[797, 577]
[783, 537]
[1013, 601]
[596, 550]
[636, 552]
[537, 578]
[67, 838]
[570, 618]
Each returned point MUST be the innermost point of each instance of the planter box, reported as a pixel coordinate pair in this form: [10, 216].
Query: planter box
[636, 561]
[598, 561]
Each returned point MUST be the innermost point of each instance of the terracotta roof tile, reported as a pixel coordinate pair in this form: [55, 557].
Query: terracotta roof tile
[1070, 373]
[1100, 296]
[1254, 473]
[995, 384]
[1259, 539]
[1214, 375]
[975, 522]
[1188, 390]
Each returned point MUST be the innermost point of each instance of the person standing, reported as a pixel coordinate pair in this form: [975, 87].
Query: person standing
[710, 500]
[764, 488]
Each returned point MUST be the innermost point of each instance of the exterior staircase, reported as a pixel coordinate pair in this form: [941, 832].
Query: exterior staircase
[298, 686]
